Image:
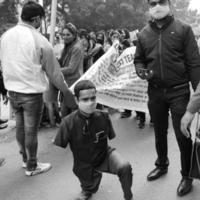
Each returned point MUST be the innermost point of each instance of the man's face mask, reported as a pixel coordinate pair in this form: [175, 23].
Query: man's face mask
[159, 9]
[87, 101]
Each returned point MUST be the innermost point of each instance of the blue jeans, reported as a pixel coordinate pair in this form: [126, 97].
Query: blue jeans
[28, 111]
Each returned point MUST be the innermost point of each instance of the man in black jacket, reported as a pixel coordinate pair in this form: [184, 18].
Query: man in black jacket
[167, 57]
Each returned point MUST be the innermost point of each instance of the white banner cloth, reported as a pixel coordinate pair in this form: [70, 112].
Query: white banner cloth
[116, 81]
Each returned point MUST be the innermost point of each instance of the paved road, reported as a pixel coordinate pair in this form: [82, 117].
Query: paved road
[136, 145]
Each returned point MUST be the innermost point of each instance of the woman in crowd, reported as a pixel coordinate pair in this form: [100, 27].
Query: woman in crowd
[71, 61]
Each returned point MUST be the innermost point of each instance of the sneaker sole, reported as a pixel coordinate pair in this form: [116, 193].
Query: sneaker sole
[33, 173]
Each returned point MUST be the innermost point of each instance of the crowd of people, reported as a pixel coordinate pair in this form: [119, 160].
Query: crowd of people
[77, 50]
[36, 75]
[92, 45]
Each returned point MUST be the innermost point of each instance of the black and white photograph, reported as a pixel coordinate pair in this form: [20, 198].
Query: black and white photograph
[99, 99]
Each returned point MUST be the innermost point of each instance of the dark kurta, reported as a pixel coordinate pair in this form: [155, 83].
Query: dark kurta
[88, 140]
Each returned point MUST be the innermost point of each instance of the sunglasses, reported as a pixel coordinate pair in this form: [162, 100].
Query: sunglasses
[155, 3]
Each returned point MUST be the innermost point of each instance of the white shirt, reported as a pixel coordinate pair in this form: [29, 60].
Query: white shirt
[21, 50]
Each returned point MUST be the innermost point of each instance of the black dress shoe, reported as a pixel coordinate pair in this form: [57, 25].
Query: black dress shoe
[156, 173]
[185, 186]
[84, 195]
[3, 121]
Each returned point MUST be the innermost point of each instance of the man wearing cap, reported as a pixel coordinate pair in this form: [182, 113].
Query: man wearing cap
[167, 57]
[28, 61]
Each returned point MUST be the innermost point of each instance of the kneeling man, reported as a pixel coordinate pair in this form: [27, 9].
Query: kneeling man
[87, 130]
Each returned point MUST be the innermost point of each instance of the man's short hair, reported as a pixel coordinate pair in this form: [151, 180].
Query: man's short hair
[31, 10]
[83, 85]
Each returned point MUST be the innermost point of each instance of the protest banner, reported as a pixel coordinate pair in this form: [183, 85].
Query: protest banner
[116, 81]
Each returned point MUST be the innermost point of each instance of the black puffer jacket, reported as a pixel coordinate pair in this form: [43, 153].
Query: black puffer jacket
[171, 52]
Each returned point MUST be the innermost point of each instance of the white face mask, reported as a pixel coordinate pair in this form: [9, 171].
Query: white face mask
[159, 11]
[87, 107]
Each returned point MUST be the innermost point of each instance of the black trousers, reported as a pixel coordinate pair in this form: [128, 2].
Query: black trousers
[161, 101]
[113, 164]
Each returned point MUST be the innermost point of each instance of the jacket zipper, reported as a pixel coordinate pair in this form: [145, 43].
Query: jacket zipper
[160, 58]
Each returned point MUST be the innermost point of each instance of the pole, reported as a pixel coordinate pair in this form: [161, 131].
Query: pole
[53, 20]
[52, 35]
[43, 26]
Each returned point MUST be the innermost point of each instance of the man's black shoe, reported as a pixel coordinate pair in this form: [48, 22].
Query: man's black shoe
[84, 195]
[156, 173]
[185, 186]
[3, 121]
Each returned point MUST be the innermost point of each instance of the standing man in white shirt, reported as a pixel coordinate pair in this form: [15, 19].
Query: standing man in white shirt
[28, 61]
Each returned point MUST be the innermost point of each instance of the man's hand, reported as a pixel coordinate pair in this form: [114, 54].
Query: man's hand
[186, 123]
[144, 73]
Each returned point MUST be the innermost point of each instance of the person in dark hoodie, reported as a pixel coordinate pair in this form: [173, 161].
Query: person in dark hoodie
[167, 57]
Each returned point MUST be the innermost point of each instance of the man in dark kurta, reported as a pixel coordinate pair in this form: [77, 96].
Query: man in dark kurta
[87, 131]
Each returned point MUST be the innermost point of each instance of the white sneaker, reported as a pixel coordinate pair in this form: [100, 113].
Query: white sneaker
[24, 165]
[41, 168]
